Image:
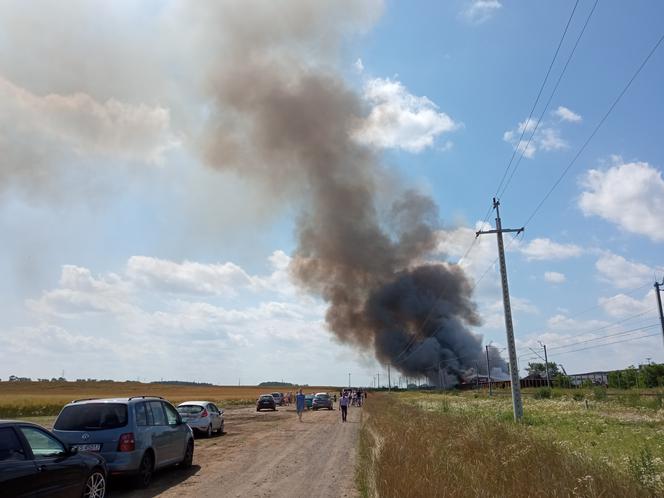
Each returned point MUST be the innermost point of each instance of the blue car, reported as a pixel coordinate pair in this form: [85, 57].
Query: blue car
[136, 435]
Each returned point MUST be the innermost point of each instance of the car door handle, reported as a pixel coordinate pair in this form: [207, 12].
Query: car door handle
[41, 468]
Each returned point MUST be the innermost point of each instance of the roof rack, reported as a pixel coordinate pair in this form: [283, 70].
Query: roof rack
[144, 396]
[83, 399]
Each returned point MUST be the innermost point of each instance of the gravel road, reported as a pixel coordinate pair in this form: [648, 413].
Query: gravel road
[266, 454]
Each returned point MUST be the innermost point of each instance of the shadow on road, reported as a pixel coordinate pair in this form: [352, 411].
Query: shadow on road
[161, 481]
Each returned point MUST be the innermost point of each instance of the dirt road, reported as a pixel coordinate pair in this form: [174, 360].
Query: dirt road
[266, 454]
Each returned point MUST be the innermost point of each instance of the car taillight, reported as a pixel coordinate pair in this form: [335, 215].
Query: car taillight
[127, 442]
[204, 413]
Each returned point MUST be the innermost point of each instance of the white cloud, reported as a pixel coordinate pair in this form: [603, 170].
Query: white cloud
[399, 119]
[622, 305]
[545, 138]
[188, 277]
[554, 277]
[359, 66]
[546, 249]
[629, 195]
[565, 114]
[622, 273]
[81, 293]
[480, 11]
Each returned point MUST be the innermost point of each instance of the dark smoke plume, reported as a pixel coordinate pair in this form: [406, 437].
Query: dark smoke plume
[288, 125]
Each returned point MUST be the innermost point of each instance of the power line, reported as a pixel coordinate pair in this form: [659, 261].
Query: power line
[553, 92]
[608, 343]
[609, 325]
[597, 127]
[539, 94]
[602, 338]
[532, 110]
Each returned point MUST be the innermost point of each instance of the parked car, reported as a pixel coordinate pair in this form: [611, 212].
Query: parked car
[322, 400]
[278, 398]
[34, 462]
[135, 435]
[202, 416]
[264, 402]
[308, 400]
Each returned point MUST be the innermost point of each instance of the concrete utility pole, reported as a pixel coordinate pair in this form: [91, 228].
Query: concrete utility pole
[348, 379]
[389, 380]
[659, 304]
[488, 369]
[517, 403]
[378, 375]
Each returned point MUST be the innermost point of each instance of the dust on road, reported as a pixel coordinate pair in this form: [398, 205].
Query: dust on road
[266, 454]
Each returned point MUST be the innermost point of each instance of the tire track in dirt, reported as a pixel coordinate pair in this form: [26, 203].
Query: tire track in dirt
[267, 454]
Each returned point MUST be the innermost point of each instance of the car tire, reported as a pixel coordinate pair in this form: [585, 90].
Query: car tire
[221, 428]
[95, 485]
[258, 409]
[208, 431]
[145, 470]
[188, 456]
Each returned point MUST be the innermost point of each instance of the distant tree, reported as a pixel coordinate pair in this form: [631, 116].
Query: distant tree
[539, 369]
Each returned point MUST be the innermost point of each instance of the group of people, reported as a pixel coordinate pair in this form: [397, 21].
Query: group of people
[347, 397]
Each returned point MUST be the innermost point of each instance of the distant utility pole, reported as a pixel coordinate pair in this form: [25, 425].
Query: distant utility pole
[517, 403]
[546, 365]
[389, 380]
[659, 304]
[378, 376]
[488, 368]
[349, 379]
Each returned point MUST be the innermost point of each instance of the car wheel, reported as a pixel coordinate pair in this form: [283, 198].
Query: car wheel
[208, 431]
[188, 455]
[221, 429]
[145, 470]
[95, 485]
[258, 409]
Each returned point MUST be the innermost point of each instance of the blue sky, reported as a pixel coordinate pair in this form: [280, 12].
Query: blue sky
[126, 256]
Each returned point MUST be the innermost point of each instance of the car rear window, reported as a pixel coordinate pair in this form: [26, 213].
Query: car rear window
[322, 396]
[190, 409]
[92, 417]
[267, 397]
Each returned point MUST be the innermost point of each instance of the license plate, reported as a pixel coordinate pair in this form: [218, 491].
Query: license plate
[88, 447]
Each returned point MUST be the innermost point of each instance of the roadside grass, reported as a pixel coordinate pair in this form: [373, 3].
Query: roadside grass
[440, 445]
[41, 399]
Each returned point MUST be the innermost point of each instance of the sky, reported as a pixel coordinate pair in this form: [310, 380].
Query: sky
[147, 236]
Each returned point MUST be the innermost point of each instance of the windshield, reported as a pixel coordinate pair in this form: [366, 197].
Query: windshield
[190, 409]
[92, 417]
[267, 397]
[322, 396]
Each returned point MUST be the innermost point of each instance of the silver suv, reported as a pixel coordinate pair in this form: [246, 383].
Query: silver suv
[135, 435]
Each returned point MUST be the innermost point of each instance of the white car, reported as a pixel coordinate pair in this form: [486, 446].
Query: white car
[202, 416]
[278, 398]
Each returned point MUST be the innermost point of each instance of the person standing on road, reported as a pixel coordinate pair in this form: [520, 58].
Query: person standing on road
[343, 404]
[299, 404]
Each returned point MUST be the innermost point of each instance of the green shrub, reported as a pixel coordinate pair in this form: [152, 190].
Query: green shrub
[577, 396]
[599, 393]
[543, 393]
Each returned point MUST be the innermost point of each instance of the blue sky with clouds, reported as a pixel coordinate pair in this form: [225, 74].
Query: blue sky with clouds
[126, 256]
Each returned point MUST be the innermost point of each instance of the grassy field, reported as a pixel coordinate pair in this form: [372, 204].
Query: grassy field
[467, 445]
[38, 399]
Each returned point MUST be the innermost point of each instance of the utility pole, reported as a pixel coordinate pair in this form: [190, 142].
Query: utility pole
[389, 380]
[349, 380]
[378, 375]
[517, 404]
[488, 368]
[477, 375]
[659, 303]
[546, 365]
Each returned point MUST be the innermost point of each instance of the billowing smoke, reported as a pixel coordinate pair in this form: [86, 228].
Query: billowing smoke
[284, 118]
